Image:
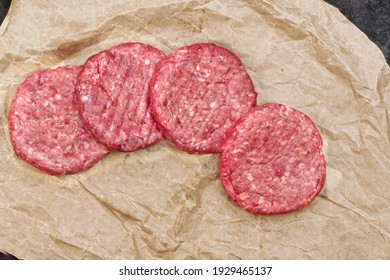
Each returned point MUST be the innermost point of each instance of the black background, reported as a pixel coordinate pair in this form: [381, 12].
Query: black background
[4, 5]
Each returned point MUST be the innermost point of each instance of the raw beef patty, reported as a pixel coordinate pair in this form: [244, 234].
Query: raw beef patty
[272, 162]
[45, 126]
[198, 93]
[113, 96]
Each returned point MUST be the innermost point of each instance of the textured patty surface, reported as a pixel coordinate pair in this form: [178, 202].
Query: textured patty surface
[198, 93]
[45, 126]
[272, 162]
[113, 96]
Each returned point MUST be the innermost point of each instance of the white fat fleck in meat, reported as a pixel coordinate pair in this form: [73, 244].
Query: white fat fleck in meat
[57, 97]
[181, 51]
[46, 104]
[235, 104]
[68, 148]
[243, 196]
[284, 142]
[147, 62]
[261, 200]
[197, 68]
[122, 135]
[249, 177]
[213, 105]
[84, 98]
[144, 132]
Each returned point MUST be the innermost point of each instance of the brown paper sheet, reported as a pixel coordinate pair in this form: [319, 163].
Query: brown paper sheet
[161, 203]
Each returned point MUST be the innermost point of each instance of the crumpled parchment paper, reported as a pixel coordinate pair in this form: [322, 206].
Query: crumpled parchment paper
[161, 203]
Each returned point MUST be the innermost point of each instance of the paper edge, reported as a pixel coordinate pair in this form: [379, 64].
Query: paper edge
[4, 24]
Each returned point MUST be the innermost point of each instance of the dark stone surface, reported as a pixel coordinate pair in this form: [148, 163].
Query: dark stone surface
[370, 16]
[4, 6]
[7, 256]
